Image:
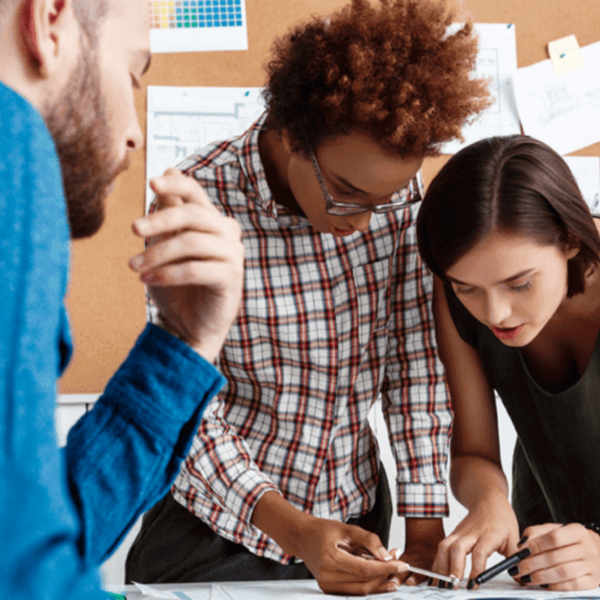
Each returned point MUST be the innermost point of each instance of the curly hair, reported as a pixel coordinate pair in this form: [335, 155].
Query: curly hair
[391, 71]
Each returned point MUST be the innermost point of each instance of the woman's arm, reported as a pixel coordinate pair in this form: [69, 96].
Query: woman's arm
[476, 475]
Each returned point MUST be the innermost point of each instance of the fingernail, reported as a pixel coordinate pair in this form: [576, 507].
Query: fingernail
[150, 277]
[392, 587]
[136, 262]
[441, 584]
[471, 584]
[522, 540]
[524, 553]
[411, 581]
[545, 585]
[526, 579]
[513, 571]
[430, 581]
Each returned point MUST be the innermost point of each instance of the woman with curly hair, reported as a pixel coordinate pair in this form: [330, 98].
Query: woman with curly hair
[284, 479]
[505, 228]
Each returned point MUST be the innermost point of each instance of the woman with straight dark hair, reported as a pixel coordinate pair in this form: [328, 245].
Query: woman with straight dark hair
[515, 250]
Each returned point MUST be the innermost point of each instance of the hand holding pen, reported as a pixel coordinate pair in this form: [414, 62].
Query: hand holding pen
[553, 556]
[507, 564]
[489, 527]
[452, 581]
[563, 557]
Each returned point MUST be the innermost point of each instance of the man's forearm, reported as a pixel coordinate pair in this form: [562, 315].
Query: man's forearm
[278, 519]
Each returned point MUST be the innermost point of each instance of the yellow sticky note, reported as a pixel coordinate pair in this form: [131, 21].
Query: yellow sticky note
[565, 54]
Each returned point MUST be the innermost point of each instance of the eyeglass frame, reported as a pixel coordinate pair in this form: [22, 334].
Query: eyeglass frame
[357, 209]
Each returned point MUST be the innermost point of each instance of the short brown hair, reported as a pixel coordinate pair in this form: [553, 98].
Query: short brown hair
[513, 184]
[391, 71]
[89, 15]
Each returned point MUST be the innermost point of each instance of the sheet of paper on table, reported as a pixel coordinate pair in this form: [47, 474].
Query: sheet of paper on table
[561, 110]
[497, 61]
[182, 120]
[502, 588]
[198, 25]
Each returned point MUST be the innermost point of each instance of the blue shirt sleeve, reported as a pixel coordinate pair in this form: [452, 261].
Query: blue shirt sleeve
[123, 455]
[63, 512]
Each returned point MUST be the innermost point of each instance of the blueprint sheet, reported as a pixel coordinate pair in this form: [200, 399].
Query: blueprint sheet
[502, 588]
[182, 120]
[561, 110]
[497, 62]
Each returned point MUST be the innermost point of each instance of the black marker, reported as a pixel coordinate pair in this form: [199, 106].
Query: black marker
[507, 563]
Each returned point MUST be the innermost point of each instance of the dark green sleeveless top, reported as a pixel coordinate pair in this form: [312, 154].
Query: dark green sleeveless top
[556, 464]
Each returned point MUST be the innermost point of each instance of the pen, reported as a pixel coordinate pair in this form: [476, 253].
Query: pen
[364, 553]
[503, 565]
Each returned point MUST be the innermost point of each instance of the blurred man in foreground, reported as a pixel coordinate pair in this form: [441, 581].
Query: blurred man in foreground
[67, 125]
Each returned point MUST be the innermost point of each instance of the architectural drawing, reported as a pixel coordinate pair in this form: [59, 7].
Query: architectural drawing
[182, 120]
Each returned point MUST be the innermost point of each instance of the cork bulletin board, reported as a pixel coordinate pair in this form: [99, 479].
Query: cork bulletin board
[106, 299]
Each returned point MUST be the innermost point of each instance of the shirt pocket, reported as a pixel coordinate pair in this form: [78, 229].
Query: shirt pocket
[363, 306]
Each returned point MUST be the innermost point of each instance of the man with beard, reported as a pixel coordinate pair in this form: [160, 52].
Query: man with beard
[72, 64]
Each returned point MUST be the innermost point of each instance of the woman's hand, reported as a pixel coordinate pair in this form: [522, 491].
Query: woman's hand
[488, 528]
[563, 557]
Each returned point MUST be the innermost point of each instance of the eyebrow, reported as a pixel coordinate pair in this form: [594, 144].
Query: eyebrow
[348, 184]
[507, 280]
[340, 179]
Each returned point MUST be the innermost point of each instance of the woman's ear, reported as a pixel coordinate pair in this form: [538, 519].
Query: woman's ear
[573, 248]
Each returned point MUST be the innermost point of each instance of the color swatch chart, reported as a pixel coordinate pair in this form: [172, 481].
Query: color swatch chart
[196, 14]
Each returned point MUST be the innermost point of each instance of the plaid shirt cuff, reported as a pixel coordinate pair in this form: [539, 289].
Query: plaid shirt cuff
[423, 500]
[245, 492]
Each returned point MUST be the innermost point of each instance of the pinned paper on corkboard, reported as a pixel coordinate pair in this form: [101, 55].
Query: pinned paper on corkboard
[198, 25]
[565, 55]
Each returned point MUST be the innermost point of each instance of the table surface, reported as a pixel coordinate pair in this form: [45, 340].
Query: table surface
[501, 588]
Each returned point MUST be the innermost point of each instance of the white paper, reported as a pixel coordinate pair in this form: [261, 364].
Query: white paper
[290, 590]
[561, 110]
[497, 61]
[586, 170]
[501, 588]
[150, 592]
[182, 120]
[198, 25]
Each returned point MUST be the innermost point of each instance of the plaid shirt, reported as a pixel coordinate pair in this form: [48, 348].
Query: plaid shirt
[326, 326]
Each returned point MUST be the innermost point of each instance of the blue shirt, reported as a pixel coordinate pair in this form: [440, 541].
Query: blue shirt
[63, 512]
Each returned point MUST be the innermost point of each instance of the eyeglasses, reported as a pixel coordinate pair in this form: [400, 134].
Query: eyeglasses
[348, 208]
